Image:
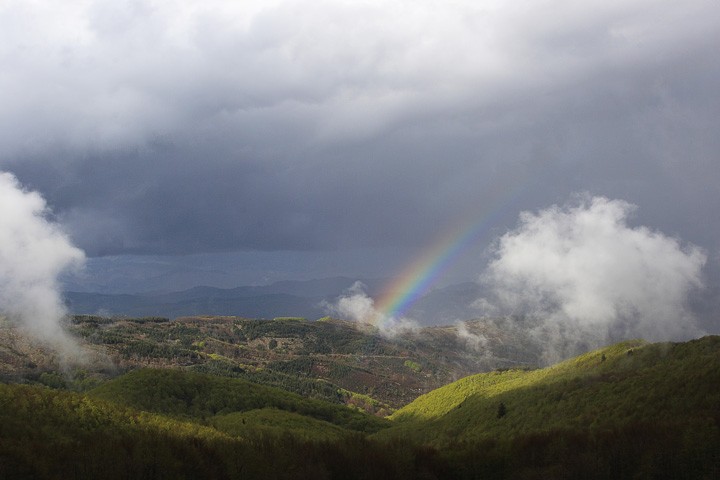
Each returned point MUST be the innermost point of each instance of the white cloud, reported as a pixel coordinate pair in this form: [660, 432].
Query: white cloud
[354, 305]
[34, 251]
[588, 277]
[357, 306]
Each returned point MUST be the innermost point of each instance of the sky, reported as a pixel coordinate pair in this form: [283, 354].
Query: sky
[229, 143]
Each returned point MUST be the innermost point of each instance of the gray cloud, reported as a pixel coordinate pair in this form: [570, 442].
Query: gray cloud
[314, 126]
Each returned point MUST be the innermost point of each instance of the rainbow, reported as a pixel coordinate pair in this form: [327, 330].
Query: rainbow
[420, 275]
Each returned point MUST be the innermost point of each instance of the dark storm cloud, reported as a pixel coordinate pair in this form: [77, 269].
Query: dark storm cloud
[153, 127]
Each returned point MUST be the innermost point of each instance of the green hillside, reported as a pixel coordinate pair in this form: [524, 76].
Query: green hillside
[628, 382]
[47, 433]
[188, 395]
[54, 434]
[629, 411]
[632, 410]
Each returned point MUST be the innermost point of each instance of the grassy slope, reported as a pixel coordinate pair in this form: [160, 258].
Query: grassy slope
[179, 424]
[185, 394]
[651, 383]
[46, 433]
[55, 434]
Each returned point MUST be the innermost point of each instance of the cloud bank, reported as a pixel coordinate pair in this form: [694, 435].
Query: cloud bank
[580, 276]
[34, 252]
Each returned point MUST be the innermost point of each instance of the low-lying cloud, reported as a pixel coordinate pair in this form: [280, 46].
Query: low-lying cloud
[580, 277]
[472, 341]
[34, 252]
[356, 305]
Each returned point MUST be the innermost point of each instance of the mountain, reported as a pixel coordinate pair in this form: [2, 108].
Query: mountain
[197, 301]
[286, 298]
[298, 298]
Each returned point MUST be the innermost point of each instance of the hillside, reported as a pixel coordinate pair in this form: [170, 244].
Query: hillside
[331, 359]
[52, 434]
[628, 411]
[628, 382]
[624, 408]
[187, 395]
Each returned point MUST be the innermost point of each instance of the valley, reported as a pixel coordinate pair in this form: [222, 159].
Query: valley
[332, 359]
[228, 397]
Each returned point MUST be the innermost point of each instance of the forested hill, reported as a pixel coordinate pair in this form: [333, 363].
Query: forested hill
[629, 411]
[331, 359]
[652, 410]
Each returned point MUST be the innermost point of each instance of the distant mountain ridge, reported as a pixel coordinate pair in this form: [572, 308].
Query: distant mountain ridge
[286, 298]
[306, 298]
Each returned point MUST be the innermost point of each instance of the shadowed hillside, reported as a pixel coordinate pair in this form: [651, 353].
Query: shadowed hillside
[51, 434]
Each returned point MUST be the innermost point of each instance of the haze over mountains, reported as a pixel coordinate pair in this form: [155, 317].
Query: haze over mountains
[309, 299]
